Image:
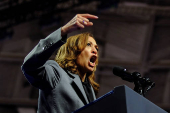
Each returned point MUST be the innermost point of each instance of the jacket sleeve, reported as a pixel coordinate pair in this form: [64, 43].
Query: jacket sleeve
[34, 66]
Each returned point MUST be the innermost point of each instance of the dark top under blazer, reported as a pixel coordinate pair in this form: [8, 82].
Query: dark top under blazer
[59, 90]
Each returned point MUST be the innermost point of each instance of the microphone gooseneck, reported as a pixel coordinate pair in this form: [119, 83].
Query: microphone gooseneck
[140, 82]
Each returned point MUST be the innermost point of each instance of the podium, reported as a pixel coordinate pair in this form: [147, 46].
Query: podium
[121, 100]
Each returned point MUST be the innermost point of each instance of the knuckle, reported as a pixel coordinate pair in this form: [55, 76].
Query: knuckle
[78, 15]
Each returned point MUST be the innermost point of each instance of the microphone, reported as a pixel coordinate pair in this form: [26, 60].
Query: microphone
[140, 82]
[121, 72]
[132, 77]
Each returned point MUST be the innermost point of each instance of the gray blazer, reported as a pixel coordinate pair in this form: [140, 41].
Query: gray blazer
[59, 90]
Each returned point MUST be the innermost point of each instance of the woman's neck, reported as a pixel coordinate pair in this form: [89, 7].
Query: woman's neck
[82, 76]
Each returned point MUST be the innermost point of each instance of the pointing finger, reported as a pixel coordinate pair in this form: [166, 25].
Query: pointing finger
[89, 16]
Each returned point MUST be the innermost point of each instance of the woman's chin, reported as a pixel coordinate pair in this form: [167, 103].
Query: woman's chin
[90, 69]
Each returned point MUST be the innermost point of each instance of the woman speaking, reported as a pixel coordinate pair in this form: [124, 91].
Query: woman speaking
[66, 83]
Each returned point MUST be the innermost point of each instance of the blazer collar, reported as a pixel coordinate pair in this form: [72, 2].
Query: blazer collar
[78, 83]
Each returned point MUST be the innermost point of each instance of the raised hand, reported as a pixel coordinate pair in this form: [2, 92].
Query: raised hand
[80, 21]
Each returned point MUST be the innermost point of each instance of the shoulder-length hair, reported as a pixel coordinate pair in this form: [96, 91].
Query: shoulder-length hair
[68, 53]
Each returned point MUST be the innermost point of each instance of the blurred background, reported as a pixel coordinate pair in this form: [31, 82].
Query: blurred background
[134, 34]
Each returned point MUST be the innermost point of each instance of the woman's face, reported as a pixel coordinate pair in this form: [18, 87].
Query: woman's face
[86, 60]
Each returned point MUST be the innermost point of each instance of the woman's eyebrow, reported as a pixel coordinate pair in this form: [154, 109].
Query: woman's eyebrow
[93, 44]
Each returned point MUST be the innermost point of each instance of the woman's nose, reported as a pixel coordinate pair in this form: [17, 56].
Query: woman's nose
[94, 50]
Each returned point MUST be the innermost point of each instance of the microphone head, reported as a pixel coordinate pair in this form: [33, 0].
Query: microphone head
[121, 72]
[117, 70]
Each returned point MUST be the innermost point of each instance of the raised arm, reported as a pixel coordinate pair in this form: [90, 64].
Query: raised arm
[41, 52]
[33, 65]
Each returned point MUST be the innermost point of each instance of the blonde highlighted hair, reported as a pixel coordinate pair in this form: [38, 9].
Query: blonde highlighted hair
[68, 52]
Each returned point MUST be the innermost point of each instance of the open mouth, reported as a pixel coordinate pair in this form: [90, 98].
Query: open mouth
[93, 60]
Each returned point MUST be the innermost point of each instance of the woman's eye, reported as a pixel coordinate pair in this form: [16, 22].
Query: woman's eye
[97, 49]
[88, 44]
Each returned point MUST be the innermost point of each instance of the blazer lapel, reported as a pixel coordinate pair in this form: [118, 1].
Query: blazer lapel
[77, 85]
[93, 93]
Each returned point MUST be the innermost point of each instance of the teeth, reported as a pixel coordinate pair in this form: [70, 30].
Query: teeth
[92, 64]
